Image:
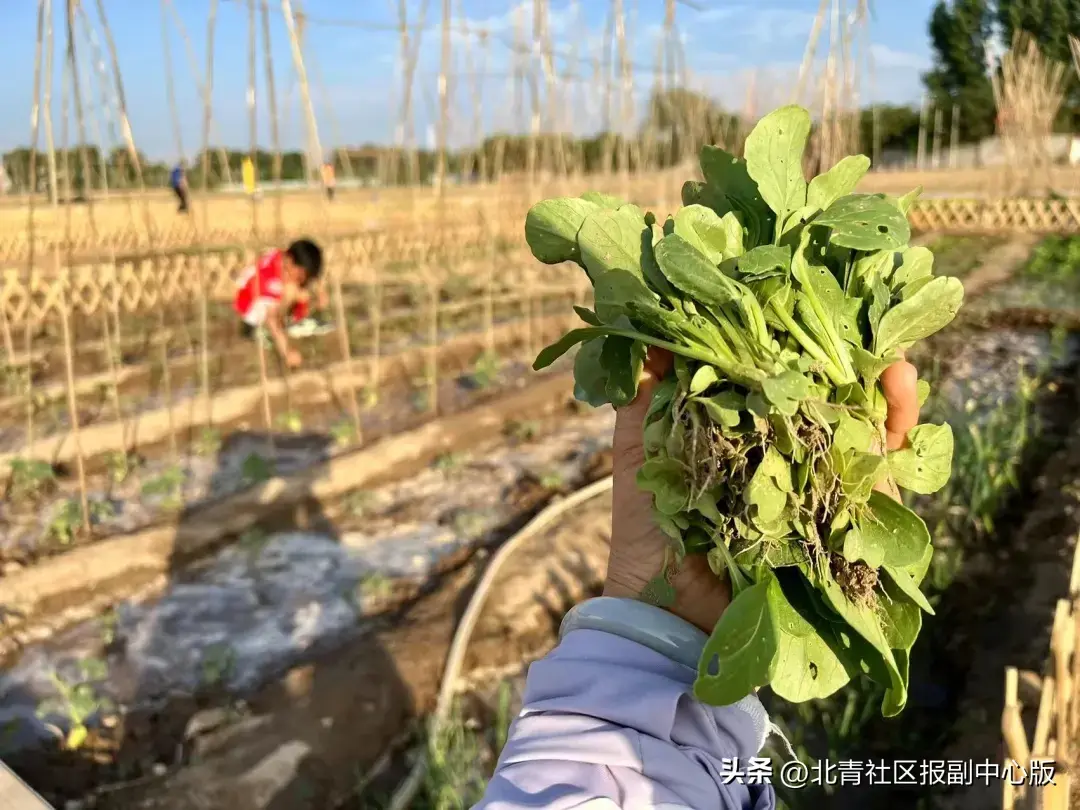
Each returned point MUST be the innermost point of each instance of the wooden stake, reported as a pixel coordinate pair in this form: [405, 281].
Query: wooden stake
[1061, 648]
[444, 101]
[938, 125]
[54, 196]
[1012, 725]
[301, 72]
[954, 138]
[920, 159]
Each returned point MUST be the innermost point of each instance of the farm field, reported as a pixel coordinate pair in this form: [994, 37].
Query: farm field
[191, 661]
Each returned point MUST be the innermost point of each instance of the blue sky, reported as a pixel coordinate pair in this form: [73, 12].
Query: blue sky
[354, 72]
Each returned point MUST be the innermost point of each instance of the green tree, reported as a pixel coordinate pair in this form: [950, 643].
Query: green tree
[959, 32]
[898, 128]
[1050, 22]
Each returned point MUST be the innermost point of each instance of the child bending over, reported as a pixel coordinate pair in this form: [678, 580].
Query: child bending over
[275, 294]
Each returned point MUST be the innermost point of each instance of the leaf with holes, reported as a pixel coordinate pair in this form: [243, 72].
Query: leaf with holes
[742, 652]
[774, 154]
[925, 464]
[863, 222]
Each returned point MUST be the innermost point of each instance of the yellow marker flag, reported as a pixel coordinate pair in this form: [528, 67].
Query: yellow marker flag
[248, 171]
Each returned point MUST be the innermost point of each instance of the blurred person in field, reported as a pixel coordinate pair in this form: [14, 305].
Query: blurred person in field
[273, 297]
[328, 179]
[178, 183]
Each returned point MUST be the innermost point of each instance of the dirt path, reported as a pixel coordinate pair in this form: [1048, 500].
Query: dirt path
[999, 266]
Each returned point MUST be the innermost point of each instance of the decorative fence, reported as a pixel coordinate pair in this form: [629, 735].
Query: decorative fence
[1056, 694]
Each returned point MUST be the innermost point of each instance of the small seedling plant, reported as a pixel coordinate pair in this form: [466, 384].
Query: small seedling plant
[783, 302]
[77, 702]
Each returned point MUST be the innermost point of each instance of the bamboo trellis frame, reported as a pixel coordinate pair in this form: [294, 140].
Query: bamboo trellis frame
[1057, 725]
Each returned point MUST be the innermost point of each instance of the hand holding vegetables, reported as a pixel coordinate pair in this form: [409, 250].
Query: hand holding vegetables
[783, 303]
[638, 547]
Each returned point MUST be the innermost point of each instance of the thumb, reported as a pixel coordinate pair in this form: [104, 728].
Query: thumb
[900, 385]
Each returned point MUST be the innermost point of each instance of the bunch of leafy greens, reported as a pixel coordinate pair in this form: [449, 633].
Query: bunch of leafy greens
[783, 302]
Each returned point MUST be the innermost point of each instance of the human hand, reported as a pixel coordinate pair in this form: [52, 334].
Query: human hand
[293, 358]
[638, 547]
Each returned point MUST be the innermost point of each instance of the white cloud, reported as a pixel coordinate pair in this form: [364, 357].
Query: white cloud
[886, 57]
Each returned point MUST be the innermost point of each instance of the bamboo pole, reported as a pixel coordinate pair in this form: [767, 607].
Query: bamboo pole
[444, 101]
[1061, 648]
[90, 209]
[65, 289]
[954, 138]
[275, 135]
[301, 73]
[1012, 725]
[253, 132]
[35, 115]
[204, 304]
[924, 115]
[810, 51]
[938, 133]
[47, 104]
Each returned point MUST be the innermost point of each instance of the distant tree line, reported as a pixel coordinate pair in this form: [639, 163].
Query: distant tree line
[676, 125]
[962, 33]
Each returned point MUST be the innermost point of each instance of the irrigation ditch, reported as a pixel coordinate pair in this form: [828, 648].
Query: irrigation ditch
[266, 648]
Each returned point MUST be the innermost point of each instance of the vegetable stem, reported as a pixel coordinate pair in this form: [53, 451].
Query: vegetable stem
[811, 346]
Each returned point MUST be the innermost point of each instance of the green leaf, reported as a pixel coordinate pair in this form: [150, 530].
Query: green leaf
[852, 434]
[614, 289]
[665, 478]
[926, 312]
[864, 621]
[611, 240]
[869, 366]
[925, 464]
[702, 228]
[901, 617]
[770, 486]
[551, 228]
[692, 273]
[702, 379]
[588, 316]
[906, 583]
[564, 344]
[774, 153]
[865, 222]
[742, 652]
[917, 263]
[786, 391]
[727, 178]
[602, 200]
[862, 472]
[623, 359]
[906, 202]
[767, 261]
[857, 548]
[734, 235]
[899, 532]
[697, 193]
[840, 180]
[808, 668]
[725, 408]
[922, 388]
[590, 378]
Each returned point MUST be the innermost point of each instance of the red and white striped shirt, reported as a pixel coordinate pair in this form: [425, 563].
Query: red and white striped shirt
[263, 286]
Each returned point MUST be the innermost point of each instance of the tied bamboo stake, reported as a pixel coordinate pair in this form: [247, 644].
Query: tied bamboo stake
[90, 211]
[204, 304]
[35, 111]
[335, 274]
[1012, 729]
[65, 287]
[433, 342]
[1061, 647]
[253, 154]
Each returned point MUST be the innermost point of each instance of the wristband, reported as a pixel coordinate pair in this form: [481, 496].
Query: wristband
[642, 623]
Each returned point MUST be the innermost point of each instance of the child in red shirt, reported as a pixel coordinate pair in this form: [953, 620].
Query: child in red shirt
[276, 288]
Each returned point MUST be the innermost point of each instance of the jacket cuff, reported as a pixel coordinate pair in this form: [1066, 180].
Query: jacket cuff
[663, 633]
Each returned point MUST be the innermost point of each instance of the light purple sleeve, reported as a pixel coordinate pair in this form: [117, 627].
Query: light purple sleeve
[609, 723]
